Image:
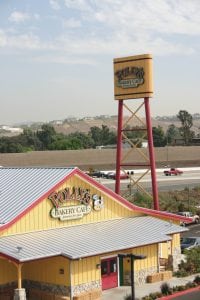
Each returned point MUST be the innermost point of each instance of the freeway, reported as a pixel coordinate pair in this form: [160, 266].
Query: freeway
[193, 230]
[190, 178]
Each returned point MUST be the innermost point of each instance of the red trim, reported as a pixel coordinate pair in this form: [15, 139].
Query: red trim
[175, 295]
[106, 190]
[127, 203]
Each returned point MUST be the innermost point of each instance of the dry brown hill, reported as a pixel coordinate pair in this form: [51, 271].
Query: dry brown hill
[84, 125]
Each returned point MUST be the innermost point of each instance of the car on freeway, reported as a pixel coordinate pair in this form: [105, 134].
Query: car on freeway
[188, 243]
[112, 175]
[172, 171]
[95, 173]
[194, 219]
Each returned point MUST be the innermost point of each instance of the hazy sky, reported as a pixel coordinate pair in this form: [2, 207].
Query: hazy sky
[56, 56]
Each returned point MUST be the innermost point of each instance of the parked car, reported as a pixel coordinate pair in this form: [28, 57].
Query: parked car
[193, 218]
[172, 171]
[190, 242]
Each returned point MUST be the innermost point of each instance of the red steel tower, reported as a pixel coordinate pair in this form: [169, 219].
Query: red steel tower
[133, 80]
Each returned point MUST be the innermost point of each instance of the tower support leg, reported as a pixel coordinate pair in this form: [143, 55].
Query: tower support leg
[151, 154]
[119, 146]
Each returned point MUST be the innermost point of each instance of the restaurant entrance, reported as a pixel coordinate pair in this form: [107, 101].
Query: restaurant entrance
[109, 273]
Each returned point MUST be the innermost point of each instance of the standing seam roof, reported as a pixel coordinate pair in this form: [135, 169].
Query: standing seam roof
[21, 187]
[89, 239]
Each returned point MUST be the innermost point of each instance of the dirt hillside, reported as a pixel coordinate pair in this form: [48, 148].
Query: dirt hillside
[84, 125]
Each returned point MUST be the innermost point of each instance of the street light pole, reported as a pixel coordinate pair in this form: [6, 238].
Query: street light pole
[133, 258]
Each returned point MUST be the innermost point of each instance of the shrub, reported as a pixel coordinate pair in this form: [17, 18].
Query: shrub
[192, 263]
[197, 279]
[175, 288]
[190, 284]
[154, 296]
[181, 273]
[181, 288]
[165, 289]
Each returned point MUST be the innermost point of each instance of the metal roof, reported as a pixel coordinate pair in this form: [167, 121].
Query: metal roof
[89, 239]
[21, 187]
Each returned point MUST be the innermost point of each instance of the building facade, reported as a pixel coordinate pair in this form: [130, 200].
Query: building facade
[61, 233]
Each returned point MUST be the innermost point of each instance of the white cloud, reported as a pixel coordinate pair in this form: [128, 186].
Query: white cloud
[112, 27]
[161, 16]
[54, 4]
[3, 38]
[67, 59]
[18, 17]
[132, 26]
[81, 5]
[71, 23]
[36, 16]
[21, 41]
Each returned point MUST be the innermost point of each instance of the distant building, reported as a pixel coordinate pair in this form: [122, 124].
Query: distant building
[88, 118]
[11, 129]
[57, 122]
[125, 145]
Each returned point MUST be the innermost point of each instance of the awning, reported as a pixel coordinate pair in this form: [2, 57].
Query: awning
[87, 240]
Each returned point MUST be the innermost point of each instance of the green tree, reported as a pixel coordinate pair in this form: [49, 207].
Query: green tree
[172, 133]
[186, 122]
[86, 140]
[95, 133]
[29, 140]
[46, 135]
[102, 136]
[159, 138]
[8, 145]
[135, 135]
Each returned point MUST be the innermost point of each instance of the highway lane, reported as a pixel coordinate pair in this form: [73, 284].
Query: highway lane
[189, 179]
[193, 230]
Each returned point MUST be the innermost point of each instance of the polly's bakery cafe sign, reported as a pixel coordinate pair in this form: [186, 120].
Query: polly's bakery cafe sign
[86, 203]
[133, 77]
[136, 77]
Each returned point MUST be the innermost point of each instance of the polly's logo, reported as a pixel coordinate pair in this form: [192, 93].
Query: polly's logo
[86, 201]
[130, 77]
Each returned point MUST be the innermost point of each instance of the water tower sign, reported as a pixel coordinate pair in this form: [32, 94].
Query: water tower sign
[133, 77]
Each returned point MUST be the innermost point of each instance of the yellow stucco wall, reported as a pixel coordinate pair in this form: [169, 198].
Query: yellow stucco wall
[85, 270]
[8, 271]
[48, 270]
[39, 217]
[45, 270]
[151, 260]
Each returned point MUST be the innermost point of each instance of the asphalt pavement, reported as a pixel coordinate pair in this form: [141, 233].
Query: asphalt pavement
[192, 296]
